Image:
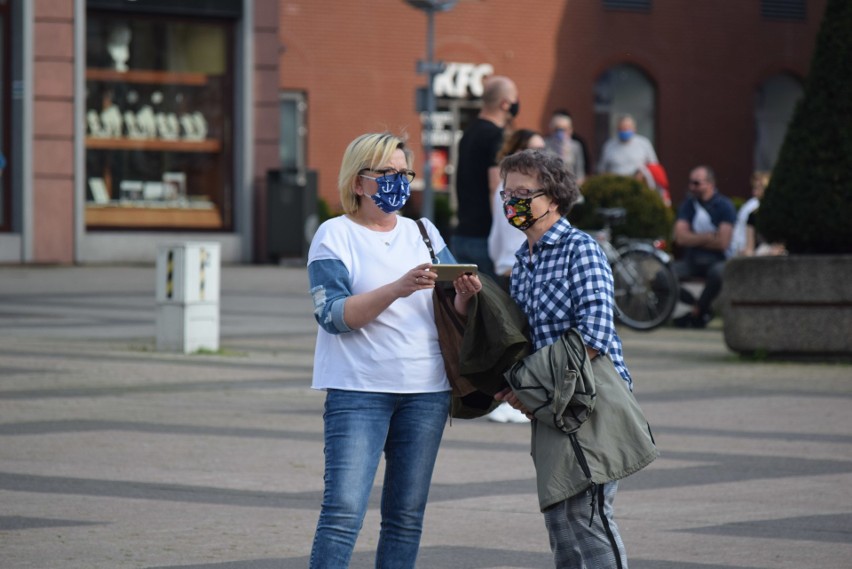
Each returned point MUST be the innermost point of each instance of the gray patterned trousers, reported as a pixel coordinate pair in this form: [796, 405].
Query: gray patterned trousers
[578, 545]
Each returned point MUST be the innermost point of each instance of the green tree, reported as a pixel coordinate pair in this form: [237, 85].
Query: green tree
[808, 203]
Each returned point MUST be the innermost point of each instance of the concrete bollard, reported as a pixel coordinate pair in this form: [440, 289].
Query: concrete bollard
[188, 297]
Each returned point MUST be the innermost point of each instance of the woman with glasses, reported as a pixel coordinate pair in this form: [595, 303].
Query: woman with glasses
[562, 281]
[377, 355]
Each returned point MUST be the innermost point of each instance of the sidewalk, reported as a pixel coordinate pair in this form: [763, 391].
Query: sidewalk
[113, 455]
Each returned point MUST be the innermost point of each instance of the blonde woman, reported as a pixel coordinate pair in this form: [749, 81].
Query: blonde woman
[377, 355]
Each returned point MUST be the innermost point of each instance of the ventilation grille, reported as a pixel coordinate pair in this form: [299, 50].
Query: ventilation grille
[629, 5]
[782, 9]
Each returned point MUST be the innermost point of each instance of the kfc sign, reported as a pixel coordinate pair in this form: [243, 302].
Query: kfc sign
[459, 79]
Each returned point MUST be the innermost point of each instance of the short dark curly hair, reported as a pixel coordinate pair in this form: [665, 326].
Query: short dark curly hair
[557, 181]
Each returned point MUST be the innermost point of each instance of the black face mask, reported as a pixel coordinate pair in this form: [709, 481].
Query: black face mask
[515, 108]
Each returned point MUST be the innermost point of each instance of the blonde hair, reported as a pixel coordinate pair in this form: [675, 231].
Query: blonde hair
[367, 152]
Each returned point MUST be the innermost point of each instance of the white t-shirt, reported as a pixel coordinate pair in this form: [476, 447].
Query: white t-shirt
[398, 352]
[738, 237]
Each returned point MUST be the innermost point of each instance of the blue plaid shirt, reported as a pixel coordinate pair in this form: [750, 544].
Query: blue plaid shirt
[567, 283]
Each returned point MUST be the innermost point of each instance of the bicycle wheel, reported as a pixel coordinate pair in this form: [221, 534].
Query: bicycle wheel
[646, 289]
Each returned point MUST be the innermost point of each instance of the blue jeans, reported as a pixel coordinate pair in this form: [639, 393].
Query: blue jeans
[711, 270]
[473, 250]
[358, 427]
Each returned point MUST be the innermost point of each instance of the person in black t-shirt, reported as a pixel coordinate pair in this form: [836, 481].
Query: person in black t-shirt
[477, 174]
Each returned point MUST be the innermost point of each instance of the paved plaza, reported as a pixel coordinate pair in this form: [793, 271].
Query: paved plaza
[114, 455]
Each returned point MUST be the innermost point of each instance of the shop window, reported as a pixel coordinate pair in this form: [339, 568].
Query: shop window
[783, 10]
[5, 159]
[159, 122]
[774, 103]
[624, 89]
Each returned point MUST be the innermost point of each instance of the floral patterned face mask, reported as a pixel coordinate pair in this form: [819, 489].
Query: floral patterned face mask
[518, 212]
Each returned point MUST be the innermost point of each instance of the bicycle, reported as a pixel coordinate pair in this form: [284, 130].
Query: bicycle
[646, 287]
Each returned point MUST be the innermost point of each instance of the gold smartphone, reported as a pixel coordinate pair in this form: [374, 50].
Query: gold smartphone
[447, 272]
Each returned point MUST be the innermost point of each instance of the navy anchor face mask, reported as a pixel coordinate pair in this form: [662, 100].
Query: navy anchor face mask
[393, 192]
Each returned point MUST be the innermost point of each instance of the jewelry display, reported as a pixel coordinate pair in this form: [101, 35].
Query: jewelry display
[156, 123]
[133, 130]
[188, 124]
[131, 190]
[147, 122]
[99, 190]
[153, 191]
[118, 46]
[111, 122]
[175, 183]
[200, 125]
[94, 121]
[168, 126]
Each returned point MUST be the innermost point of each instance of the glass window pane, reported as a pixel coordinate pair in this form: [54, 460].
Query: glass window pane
[624, 89]
[159, 123]
[289, 144]
[774, 104]
[4, 131]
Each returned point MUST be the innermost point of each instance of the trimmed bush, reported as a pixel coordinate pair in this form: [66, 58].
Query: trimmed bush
[809, 199]
[647, 215]
[443, 214]
[324, 211]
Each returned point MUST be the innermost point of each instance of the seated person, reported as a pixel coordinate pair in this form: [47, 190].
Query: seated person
[759, 181]
[755, 244]
[703, 229]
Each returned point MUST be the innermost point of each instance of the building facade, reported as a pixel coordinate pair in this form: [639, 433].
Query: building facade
[708, 81]
[129, 124]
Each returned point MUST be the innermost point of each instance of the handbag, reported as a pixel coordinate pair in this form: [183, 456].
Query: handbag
[468, 402]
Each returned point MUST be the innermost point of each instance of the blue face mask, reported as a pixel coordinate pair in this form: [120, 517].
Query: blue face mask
[393, 191]
[625, 135]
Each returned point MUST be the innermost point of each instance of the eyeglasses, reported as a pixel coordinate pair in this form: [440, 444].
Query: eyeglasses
[520, 194]
[696, 182]
[390, 173]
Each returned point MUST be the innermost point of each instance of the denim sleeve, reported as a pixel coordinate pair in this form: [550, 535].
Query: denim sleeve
[445, 257]
[329, 282]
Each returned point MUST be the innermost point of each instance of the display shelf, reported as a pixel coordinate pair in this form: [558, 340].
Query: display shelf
[155, 144]
[142, 217]
[147, 76]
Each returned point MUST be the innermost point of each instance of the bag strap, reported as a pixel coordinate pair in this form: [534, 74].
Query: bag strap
[426, 240]
[443, 298]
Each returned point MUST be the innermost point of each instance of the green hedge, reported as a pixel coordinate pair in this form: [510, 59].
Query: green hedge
[808, 202]
[647, 215]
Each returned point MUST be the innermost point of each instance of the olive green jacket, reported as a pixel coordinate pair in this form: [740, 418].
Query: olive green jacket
[588, 428]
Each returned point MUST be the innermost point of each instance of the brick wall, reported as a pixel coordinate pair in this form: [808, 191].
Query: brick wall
[266, 112]
[356, 62]
[53, 131]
